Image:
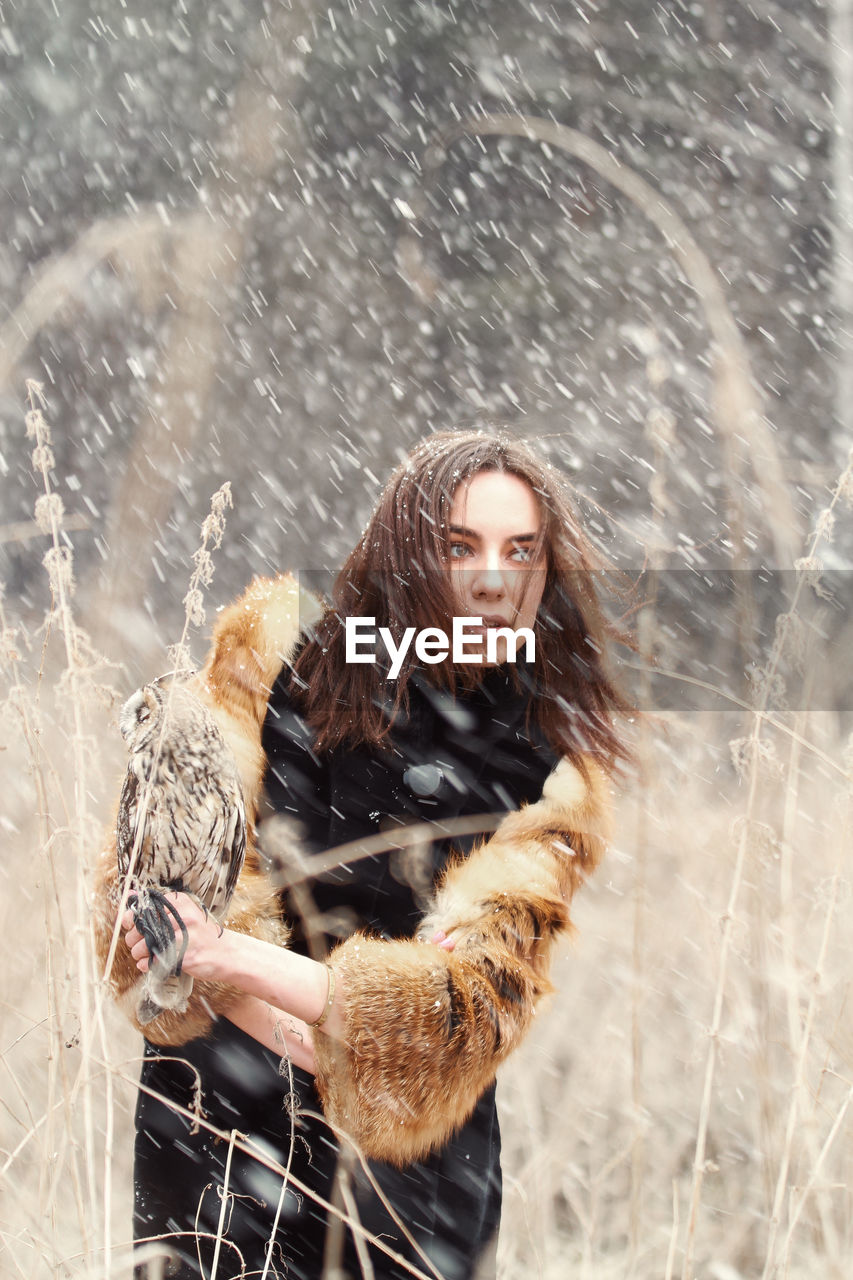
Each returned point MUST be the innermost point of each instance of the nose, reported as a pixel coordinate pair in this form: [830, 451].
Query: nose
[488, 581]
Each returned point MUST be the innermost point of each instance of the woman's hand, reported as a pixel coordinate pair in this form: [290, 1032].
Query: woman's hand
[285, 980]
[441, 939]
[207, 951]
[291, 984]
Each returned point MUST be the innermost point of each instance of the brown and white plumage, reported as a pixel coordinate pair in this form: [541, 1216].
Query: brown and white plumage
[183, 789]
[251, 640]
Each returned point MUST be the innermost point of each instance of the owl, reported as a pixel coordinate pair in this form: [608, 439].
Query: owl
[183, 789]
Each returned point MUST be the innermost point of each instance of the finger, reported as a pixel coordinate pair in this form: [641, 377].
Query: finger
[140, 950]
[440, 939]
[132, 936]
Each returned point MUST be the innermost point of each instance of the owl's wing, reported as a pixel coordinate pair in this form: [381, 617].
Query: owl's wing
[215, 841]
[237, 848]
[126, 822]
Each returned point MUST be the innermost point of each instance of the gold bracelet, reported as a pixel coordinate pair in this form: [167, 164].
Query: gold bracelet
[330, 998]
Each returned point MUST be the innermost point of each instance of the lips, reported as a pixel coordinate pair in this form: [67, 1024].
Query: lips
[492, 620]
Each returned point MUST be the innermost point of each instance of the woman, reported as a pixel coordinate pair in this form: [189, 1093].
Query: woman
[397, 1036]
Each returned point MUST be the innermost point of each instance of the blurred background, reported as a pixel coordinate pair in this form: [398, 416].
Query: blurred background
[274, 244]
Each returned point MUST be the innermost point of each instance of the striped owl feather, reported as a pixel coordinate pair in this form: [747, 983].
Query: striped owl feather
[182, 785]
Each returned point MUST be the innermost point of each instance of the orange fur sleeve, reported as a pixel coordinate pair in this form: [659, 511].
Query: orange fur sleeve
[426, 1029]
[252, 639]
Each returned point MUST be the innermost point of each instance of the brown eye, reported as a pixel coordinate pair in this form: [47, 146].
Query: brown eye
[144, 714]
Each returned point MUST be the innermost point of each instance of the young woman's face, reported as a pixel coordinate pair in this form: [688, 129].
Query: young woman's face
[496, 563]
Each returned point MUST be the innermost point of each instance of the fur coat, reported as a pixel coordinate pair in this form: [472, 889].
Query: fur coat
[425, 1028]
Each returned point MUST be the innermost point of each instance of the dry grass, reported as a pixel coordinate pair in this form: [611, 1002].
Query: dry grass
[683, 1106]
[574, 1129]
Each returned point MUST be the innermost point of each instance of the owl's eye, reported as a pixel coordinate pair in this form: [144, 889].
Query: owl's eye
[144, 714]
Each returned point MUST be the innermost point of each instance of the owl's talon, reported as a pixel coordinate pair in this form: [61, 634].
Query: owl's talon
[150, 917]
[185, 937]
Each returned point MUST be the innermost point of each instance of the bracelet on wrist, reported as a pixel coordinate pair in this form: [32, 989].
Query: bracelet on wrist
[330, 998]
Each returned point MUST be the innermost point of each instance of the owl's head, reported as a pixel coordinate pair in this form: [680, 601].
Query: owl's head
[139, 718]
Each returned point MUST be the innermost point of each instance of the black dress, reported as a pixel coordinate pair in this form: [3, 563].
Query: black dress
[450, 757]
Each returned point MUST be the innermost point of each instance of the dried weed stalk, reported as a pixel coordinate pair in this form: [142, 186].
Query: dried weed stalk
[212, 532]
[68, 835]
[750, 753]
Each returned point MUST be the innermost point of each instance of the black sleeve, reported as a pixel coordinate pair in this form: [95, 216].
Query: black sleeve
[297, 783]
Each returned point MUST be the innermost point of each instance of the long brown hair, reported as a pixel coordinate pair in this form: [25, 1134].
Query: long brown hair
[398, 575]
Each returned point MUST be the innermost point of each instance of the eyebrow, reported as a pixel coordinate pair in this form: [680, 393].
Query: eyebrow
[472, 533]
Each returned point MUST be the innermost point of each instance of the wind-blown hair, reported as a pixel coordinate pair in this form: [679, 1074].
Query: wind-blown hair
[398, 574]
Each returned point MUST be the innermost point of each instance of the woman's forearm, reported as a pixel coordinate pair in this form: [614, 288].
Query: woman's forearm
[300, 987]
[282, 978]
[275, 1030]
